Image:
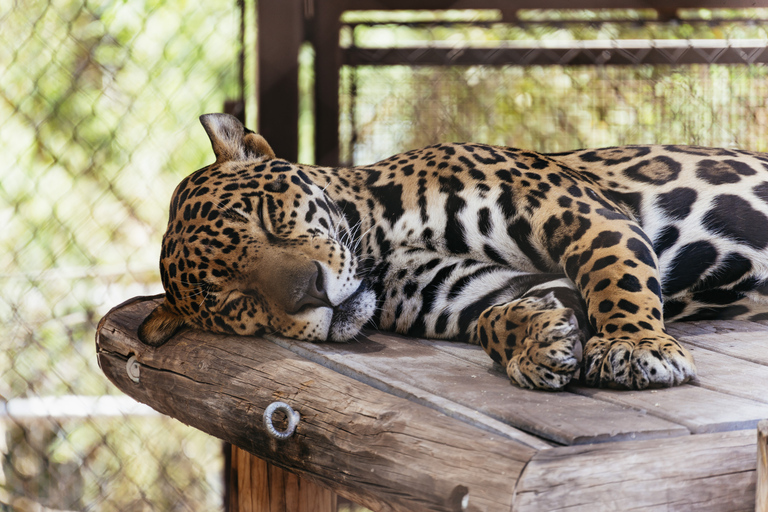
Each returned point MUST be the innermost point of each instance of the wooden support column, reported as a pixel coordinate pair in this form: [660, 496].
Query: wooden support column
[762, 467]
[257, 486]
[326, 25]
[280, 35]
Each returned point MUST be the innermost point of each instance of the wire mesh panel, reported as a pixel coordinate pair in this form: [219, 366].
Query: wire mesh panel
[98, 123]
[558, 81]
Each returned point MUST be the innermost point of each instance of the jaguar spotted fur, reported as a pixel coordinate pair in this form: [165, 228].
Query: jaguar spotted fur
[552, 263]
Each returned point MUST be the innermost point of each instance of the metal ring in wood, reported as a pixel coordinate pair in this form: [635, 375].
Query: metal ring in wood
[133, 368]
[293, 420]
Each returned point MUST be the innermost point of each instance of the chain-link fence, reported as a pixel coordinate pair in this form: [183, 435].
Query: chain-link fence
[98, 122]
[553, 81]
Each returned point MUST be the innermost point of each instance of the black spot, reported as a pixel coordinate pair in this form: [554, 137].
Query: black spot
[761, 191]
[716, 313]
[733, 267]
[733, 217]
[717, 296]
[442, 322]
[602, 285]
[494, 255]
[484, 221]
[278, 186]
[688, 266]
[520, 232]
[455, 239]
[604, 262]
[666, 239]
[654, 286]
[564, 201]
[390, 196]
[631, 199]
[605, 306]
[409, 288]
[627, 306]
[673, 308]
[629, 283]
[677, 203]
[641, 251]
[657, 171]
[720, 173]
[460, 284]
[606, 239]
[507, 201]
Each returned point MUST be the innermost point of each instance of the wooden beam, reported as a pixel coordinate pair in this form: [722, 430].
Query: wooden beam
[590, 53]
[366, 445]
[708, 472]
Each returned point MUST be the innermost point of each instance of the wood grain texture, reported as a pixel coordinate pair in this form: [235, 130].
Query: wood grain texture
[711, 472]
[374, 448]
[417, 370]
[258, 486]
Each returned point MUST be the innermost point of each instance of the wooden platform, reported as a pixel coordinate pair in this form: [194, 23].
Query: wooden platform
[403, 424]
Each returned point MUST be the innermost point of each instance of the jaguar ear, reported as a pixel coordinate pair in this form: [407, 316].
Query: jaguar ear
[232, 141]
[159, 326]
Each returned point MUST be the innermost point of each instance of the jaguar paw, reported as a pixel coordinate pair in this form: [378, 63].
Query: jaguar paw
[652, 362]
[550, 353]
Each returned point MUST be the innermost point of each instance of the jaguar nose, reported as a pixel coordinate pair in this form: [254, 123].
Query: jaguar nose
[315, 295]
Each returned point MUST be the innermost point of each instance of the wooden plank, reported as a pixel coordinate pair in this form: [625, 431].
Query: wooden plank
[699, 409]
[368, 446]
[729, 375]
[709, 472]
[416, 370]
[762, 467]
[739, 339]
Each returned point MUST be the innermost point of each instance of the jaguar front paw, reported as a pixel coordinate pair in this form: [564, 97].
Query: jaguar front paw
[540, 347]
[551, 352]
[652, 362]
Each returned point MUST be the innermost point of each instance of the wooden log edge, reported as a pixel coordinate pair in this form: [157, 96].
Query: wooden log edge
[368, 446]
[762, 467]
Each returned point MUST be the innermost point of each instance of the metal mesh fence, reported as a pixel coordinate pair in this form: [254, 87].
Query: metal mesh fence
[551, 83]
[98, 122]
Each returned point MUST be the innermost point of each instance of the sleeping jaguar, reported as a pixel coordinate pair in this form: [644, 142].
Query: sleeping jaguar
[555, 264]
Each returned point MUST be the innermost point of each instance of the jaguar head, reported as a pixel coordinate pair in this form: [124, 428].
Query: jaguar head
[254, 246]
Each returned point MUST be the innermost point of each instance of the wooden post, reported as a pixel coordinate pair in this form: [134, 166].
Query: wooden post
[280, 34]
[762, 467]
[257, 486]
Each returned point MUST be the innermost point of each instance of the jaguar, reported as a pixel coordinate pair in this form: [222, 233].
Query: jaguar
[558, 265]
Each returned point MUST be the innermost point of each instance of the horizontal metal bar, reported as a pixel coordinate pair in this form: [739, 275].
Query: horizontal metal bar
[571, 53]
[425, 25]
[73, 406]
